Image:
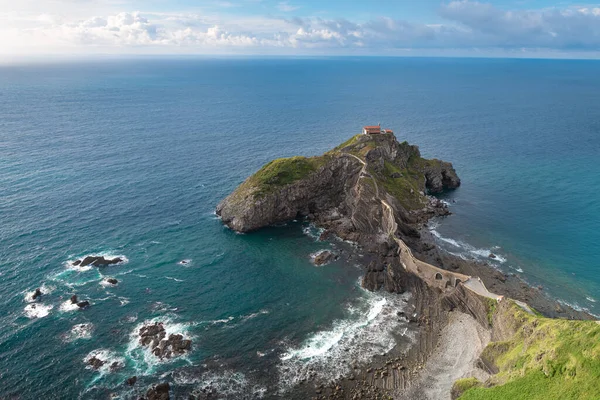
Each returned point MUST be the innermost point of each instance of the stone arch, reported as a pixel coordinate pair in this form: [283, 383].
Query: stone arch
[438, 276]
[456, 282]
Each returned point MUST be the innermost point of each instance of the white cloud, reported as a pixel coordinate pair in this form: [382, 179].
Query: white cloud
[286, 7]
[467, 25]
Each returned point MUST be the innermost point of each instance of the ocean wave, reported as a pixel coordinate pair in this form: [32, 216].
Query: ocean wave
[68, 306]
[312, 231]
[112, 361]
[225, 384]
[174, 279]
[468, 250]
[369, 330]
[79, 331]
[37, 310]
[254, 315]
[28, 297]
[590, 299]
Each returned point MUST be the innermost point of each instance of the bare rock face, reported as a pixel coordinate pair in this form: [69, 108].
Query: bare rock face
[440, 176]
[323, 257]
[244, 211]
[158, 392]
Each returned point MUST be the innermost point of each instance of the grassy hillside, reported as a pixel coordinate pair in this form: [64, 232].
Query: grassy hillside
[546, 359]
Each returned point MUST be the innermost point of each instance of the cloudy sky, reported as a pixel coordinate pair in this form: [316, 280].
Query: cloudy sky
[545, 28]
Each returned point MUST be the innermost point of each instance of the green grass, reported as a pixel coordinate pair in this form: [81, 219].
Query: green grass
[546, 359]
[462, 385]
[281, 172]
[406, 189]
[491, 306]
[348, 142]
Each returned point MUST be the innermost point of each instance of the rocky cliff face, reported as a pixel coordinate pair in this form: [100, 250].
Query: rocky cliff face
[341, 189]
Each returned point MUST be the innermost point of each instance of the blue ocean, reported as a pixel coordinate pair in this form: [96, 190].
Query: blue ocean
[129, 157]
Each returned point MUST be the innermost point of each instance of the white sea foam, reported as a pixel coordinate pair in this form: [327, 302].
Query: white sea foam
[591, 299]
[227, 384]
[468, 251]
[185, 262]
[79, 331]
[312, 231]
[68, 306]
[123, 300]
[254, 315]
[174, 279]
[368, 331]
[104, 282]
[44, 289]
[221, 321]
[37, 310]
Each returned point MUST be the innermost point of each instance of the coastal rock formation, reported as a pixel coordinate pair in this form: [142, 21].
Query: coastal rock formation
[37, 294]
[112, 281]
[329, 190]
[96, 261]
[96, 363]
[154, 336]
[323, 257]
[158, 392]
[80, 304]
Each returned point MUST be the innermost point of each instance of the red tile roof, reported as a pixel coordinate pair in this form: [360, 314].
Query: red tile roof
[373, 129]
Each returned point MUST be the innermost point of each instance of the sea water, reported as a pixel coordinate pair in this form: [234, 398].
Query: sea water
[129, 158]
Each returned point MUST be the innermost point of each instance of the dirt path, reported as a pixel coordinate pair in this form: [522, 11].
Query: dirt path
[454, 358]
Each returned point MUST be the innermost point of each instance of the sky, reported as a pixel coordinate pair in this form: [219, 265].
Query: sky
[516, 28]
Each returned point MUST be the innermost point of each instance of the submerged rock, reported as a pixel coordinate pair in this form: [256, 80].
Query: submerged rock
[131, 381]
[112, 281]
[74, 299]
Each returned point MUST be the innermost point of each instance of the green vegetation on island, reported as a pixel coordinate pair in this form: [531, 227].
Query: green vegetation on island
[545, 359]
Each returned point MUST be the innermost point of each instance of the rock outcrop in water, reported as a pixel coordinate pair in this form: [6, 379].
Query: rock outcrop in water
[327, 189]
[154, 336]
[96, 261]
[158, 392]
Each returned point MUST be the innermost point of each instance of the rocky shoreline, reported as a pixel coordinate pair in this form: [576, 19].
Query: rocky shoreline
[373, 190]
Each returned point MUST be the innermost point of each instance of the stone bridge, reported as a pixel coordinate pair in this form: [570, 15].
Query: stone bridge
[433, 276]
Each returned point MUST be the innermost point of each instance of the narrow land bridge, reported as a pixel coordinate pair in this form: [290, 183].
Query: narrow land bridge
[432, 275]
